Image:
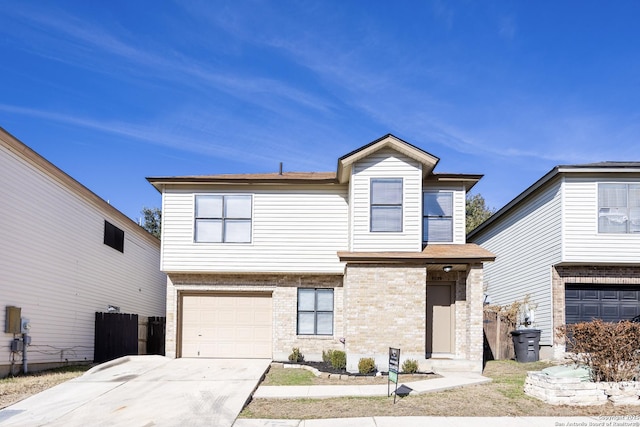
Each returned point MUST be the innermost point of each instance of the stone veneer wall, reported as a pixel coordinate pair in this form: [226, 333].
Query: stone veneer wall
[600, 275]
[572, 391]
[385, 306]
[283, 288]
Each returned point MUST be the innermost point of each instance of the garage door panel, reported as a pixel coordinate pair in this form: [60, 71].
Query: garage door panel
[610, 303]
[227, 326]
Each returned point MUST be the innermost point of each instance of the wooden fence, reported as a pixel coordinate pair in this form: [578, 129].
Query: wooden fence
[498, 344]
[156, 330]
[116, 335]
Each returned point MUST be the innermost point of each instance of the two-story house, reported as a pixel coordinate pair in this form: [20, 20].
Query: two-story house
[368, 257]
[572, 242]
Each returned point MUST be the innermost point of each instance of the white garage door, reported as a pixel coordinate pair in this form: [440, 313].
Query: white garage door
[227, 325]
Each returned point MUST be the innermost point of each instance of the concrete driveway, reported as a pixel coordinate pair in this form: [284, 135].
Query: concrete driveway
[145, 391]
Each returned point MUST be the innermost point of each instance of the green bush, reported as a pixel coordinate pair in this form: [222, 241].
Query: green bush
[338, 359]
[609, 350]
[366, 365]
[410, 366]
[326, 356]
[296, 355]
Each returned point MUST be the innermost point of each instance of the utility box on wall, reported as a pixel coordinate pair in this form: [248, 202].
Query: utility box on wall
[13, 323]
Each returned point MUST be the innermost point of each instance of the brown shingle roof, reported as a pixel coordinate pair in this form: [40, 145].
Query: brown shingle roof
[432, 254]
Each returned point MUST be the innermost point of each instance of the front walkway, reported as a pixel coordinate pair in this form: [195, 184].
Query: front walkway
[447, 382]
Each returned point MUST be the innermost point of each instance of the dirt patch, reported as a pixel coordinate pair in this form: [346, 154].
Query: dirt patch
[504, 396]
[15, 389]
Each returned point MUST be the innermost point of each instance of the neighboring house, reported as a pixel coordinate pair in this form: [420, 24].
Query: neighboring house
[572, 242]
[66, 254]
[352, 260]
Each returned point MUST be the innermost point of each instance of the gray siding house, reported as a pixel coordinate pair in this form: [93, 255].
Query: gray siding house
[572, 242]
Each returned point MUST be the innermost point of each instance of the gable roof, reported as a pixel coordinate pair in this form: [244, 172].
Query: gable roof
[556, 172]
[35, 160]
[346, 162]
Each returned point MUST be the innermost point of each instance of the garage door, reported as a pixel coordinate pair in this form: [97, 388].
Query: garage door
[609, 303]
[227, 325]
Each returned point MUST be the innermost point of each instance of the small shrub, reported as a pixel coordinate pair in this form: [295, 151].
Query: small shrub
[366, 365]
[326, 356]
[296, 355]
[410, 366]
[609, 350]
[338, 359]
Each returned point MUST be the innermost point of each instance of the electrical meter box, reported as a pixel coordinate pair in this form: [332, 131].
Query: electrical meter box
[13, 323]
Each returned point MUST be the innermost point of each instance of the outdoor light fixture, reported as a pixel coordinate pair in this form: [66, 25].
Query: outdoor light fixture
[447, 268]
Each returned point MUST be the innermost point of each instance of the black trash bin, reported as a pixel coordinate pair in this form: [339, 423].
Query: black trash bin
[526, 344]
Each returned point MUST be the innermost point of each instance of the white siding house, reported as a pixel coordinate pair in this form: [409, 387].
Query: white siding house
[55, 265]
[552, 243]
[259, 264]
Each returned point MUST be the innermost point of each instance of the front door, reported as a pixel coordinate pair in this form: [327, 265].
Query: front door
[440, 319]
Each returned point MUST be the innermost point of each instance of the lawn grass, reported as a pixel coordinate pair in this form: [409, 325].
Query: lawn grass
[504, 396]
[288, 377]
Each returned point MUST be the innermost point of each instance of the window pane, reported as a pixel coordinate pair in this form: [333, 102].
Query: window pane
[208, 206]
[438, 204]
[612, 220]
[386, 218]
[325, 324]
[305, 323]
[237, 206]
[634, 196]
[386, 191]
[612, 195]
[634, 220]
[325, 299]
[237, 231]
[438, 230]
[208, 230]
[306, 299]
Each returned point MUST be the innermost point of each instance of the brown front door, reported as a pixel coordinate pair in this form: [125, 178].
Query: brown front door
[440, 319]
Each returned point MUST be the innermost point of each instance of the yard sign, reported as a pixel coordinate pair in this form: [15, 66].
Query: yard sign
[394, 363]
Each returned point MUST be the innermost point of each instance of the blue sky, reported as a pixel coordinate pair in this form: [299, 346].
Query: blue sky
[113, 92]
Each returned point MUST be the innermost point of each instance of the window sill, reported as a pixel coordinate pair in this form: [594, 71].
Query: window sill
[315, 337]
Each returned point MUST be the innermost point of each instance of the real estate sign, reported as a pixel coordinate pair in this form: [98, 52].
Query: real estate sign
[394, 364]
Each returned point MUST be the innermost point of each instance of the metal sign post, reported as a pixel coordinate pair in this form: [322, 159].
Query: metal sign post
[394, 363]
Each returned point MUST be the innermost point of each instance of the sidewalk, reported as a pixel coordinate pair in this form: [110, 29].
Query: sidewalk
[448, 381]
[426, 421]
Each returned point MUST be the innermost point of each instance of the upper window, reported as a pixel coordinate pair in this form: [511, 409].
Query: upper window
[223, 219]
[113, 236]
[619, 208]
[315, 311]
[386, 204]
[437, 224]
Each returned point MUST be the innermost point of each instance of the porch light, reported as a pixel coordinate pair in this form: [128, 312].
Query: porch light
[447, 268]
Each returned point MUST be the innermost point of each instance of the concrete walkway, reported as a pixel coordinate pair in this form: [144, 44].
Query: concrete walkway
[432, 421]
[447, 382]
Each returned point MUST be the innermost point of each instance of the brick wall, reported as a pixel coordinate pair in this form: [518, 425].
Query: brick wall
[283, 288]
[598, 275]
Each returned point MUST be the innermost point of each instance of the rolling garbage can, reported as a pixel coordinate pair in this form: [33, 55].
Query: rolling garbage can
[526, 344]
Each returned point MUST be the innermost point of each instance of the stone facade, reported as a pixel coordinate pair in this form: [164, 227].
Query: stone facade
[598, 275]
[283, 288]
[573, 391]
[376, 306]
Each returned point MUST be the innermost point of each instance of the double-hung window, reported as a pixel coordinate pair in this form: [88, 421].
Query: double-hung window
[618, 208]
[315, 311]
[437, 223]
[222, 218]
[386, 204]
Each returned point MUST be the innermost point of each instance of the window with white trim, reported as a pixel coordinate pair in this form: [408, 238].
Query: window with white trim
[315, 311]
[618, 208]
[222, 218]
[437, 222]
[386, 205]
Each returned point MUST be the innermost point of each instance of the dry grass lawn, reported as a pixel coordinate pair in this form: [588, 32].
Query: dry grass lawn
[504, 396]
[14, 389]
